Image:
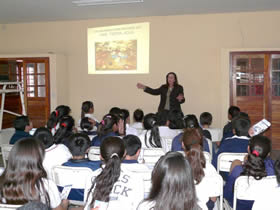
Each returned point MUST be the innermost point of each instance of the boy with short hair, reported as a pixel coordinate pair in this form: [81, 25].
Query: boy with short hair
[22, 126]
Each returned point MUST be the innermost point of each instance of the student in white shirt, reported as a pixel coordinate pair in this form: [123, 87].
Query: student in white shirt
[138, 116]
[113, 184]
[25, 170]
[172, 185]
[128, 129]
[150, 137]
[191, 141]
[55, 154]
[87, 110]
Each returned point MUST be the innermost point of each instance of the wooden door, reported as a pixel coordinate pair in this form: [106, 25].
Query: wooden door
[36, 88]
[255, 88]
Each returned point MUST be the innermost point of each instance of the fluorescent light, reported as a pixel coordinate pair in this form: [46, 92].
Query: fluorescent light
[103, 2]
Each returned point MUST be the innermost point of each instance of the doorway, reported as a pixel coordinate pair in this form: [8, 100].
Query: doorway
[255, 88]
[34, 75]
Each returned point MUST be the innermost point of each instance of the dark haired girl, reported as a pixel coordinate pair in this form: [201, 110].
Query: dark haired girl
[107, 127]
[201, 170]
[113, 184]
[55, 117]
[257, 164]
[172, 185]
[87, 110]
[171, 93]
[65, 130]
[150, 136]
[25, 178]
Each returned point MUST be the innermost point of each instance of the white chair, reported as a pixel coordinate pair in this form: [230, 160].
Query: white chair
[210, 147]
[5, 149]
[75, 176]
[94, 153]
[225, 160]
[166, 143]
[150, 156]
[248, 188]
[216, 134]
[9, 206]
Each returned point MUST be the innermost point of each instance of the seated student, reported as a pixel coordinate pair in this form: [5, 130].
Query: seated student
[202, 170]
[87, 110]
[65, 130]
[257, 164]
[108, 127]
[269, 200]
[55, 154]
[172, 185]
[138, 116]
[22, 126]
[128, 128]
[55, 117]
[175, 119]
[205, 120]
[150, 136]
[190, 122]
[118, 187]
[79, 145]
[87, 126]
[237, 143]
[163, 122]
[233, 111]
[25, 180]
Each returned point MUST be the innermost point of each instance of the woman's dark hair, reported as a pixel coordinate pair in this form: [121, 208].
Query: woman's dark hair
[150, 123]
[86, 106]
[172, 184]
[192, 140]
[22, 179]
[106, 125]
[259, 148]
[79, 144]
[175, 118]
[45, 136]
[86, 125]
[138, 115]
[112, 151]
[277, 170]
[65, 129]
[21, 122]
[205, 118]
[191, 121]
[57, 114]
[175, 76]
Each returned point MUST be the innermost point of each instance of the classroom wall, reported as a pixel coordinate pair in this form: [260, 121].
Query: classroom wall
[193, 46]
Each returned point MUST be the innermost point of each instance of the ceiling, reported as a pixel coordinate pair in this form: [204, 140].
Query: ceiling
[18, 11]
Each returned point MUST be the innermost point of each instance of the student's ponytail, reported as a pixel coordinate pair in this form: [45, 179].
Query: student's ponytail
[52, 120]
[259, 148]
[112, 150]
[65, 129]
[150, 123]
[106, 125]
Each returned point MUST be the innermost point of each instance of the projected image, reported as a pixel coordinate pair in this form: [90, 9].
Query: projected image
[116, 55]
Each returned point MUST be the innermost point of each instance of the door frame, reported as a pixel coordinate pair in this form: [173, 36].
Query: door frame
[53, 97]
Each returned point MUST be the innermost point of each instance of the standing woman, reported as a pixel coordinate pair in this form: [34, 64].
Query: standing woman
[171, 93]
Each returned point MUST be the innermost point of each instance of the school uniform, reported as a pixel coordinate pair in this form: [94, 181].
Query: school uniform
[137, 125]
[126, 194]
[229, 186]
[18, 135]
[91, 117]
[177, 144]
[97, 140]
[57, 154]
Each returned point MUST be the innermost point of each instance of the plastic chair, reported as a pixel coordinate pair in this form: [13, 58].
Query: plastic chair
[75, 176]
[225, 160]
[149, 156]
[9, 206]
[166, 143]
[248, 188]
[94, 153]
[5, 149]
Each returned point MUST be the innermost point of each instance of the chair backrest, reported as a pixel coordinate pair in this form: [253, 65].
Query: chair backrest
[210, 147]
[9, 206]
[166, 143]
[151, 155]
[225, 160]
[94, 153]
[75, 176]
[248, 188]
[207, 156]
[5, 149]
